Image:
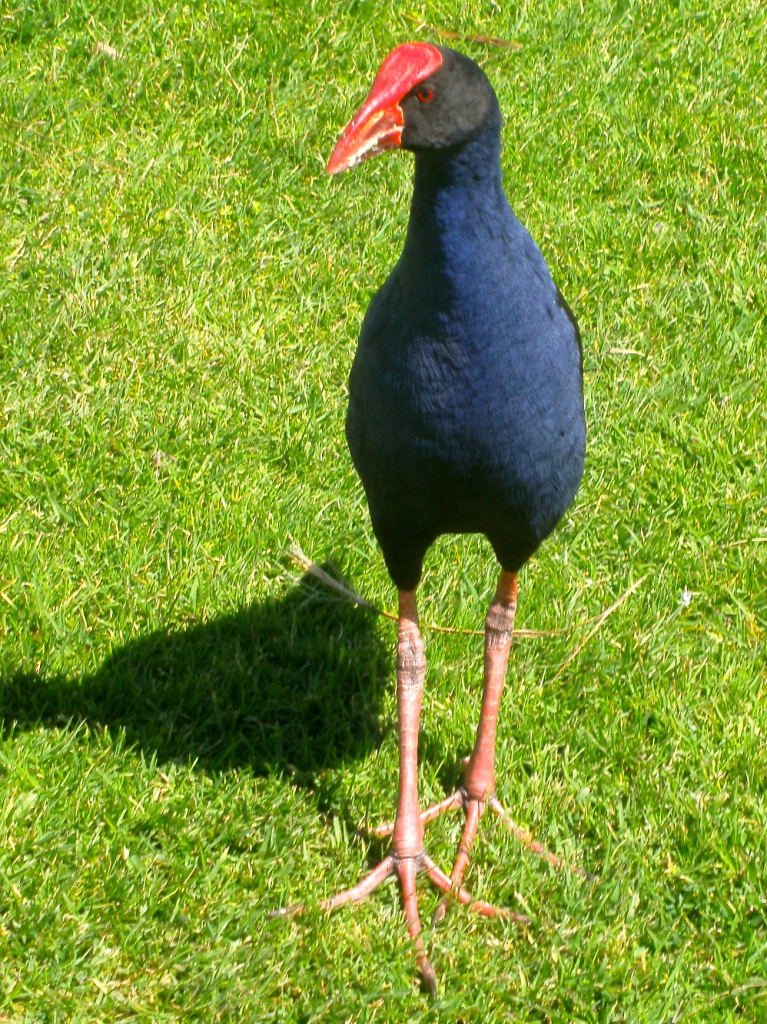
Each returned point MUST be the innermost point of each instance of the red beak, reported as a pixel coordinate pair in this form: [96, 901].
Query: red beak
[377, 125]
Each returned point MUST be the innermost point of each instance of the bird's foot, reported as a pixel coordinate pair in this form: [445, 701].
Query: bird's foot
[406, 869]
[474, 808]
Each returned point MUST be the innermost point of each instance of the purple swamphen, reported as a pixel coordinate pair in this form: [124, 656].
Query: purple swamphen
[465, 410]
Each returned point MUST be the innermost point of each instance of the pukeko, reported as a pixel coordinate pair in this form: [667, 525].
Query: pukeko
[465, 408]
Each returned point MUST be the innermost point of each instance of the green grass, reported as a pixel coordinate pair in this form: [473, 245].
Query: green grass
[190, 738]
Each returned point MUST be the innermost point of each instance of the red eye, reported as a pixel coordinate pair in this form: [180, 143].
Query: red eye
[425, 94]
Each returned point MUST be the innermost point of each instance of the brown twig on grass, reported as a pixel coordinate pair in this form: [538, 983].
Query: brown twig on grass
[342, 587]
[444, 33]
[312, 569]
[107, 51]
[600, 619]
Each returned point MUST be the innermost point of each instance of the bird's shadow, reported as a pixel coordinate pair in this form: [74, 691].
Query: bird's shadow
[290, 685]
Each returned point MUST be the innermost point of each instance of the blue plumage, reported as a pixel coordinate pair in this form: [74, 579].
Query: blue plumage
[466, 403]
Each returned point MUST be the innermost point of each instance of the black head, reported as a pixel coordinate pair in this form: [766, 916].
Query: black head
[449, 107]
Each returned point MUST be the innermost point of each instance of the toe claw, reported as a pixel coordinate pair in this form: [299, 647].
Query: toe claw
[291, 911]
[440, 912]
[428, 976]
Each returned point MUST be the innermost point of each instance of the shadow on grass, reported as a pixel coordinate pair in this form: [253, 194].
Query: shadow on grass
[291, 685]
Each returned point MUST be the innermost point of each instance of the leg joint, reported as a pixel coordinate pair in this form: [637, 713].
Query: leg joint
[499, 624]
[411, 665]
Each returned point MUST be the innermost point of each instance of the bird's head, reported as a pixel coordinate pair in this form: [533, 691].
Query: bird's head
[423, 97]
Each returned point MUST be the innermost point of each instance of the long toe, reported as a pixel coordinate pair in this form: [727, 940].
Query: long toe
[524, 837]
[429, 975]
[446, 884]
[474, 811]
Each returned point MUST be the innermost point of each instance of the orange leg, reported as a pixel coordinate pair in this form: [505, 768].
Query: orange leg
[479, 780]
[407, 857]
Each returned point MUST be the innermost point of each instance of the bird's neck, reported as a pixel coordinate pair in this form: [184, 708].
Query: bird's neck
[458, 199]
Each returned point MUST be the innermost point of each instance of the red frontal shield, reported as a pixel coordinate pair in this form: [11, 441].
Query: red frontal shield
[377, 125]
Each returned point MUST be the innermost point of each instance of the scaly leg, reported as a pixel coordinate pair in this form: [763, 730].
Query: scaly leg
[407, 856]
[477, 792]
[407, 836]
[479, 779]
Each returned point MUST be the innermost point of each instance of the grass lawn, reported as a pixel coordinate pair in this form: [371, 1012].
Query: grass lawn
[190, 737]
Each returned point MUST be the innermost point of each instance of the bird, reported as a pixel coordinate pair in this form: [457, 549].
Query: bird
[465, 415]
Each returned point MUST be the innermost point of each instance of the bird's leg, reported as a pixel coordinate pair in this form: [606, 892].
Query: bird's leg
[407, 836]
[477, 792]
[479, 779]
[406, 856]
